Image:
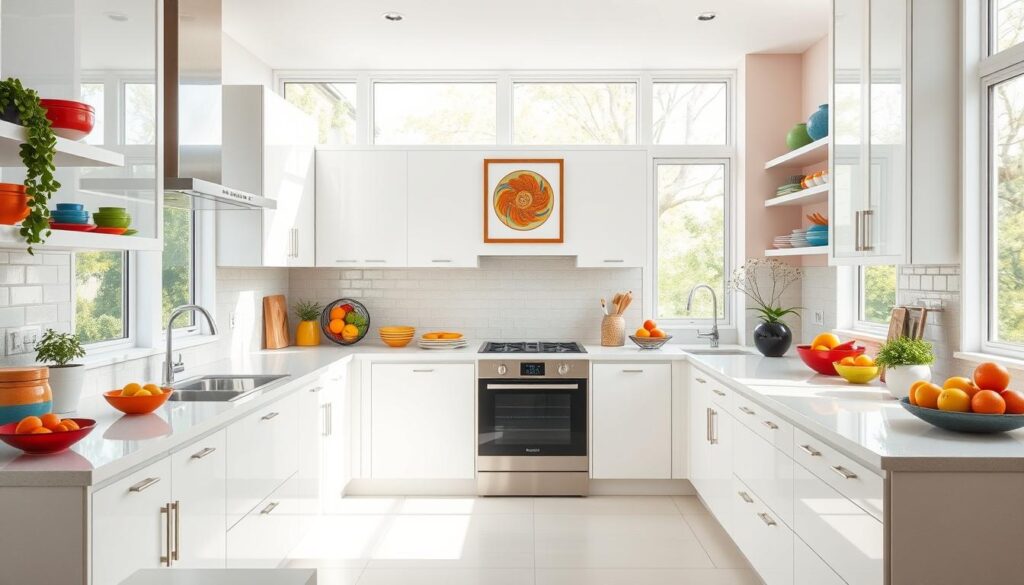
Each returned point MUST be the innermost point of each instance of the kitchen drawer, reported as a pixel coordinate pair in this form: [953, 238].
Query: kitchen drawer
[717, 393]
[765, 470]
[262, 452]
[765, 423]
[265, 536]
[846, 537]
[764, 540]
[853, 480]
[809, 569]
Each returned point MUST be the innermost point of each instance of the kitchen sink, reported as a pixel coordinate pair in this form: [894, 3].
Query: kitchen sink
[716, 351]
[218, 388]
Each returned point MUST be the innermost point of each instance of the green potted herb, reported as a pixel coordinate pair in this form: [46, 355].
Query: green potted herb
[905, 361]
[56, 350]
[308, 332]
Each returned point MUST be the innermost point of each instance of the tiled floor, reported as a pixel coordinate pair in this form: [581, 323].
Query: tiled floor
[523, 541]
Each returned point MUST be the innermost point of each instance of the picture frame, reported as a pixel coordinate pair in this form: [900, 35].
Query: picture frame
[524, 201]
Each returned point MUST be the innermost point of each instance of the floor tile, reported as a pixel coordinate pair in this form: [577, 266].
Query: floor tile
[339, 541]
[466, 505]
[450, 576]
[367, 505]
[338, 576]
[716, 542]
[646, 577]
[689, 505]
[495, 540]
[606, 505]
[617, 541]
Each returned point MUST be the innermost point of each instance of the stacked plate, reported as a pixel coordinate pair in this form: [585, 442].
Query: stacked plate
[397, 336]
[70, 216]
[442, 340]
[797, 239]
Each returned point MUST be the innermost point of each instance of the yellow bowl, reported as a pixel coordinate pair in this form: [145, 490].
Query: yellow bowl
[397, 342]
[396, 329]
[857, 374]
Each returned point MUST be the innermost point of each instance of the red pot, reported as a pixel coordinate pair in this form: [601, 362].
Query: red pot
[823, 361]
[70, 119]
[13, 206]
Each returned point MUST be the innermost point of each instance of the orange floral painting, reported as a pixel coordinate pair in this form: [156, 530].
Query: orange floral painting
[523, 200]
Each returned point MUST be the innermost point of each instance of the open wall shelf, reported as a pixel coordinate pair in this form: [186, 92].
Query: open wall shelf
[813, 153]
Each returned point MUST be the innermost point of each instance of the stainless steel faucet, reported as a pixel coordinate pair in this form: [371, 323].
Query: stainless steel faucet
[713, 334]
[171, 367]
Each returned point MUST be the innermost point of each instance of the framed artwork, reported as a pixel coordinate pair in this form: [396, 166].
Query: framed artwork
[523, 201]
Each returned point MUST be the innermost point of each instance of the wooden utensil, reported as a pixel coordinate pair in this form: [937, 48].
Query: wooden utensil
[626, 302]
[897, 324]
[275, 322]
[615, 303]
[604, 307]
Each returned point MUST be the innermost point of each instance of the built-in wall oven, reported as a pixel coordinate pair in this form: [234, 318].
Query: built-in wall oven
[532, 427]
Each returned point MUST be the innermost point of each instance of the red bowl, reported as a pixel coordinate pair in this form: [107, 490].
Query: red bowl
[12, 188]
[822, 361]
[46, 443]
[136, 404]
[13, 207]
[71, 120]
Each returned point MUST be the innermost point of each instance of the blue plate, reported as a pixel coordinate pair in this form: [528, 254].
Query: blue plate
[817, 228]
[965, 422]
[70, 207]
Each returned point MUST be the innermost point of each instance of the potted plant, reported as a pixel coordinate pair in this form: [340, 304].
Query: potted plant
[20, 105]
[764, 281]
[56, 350]
[308, 332]
[905, 361]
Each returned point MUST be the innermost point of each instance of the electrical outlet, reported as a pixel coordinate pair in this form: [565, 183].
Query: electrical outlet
[819, 317]
[22, 339]
[231, 320]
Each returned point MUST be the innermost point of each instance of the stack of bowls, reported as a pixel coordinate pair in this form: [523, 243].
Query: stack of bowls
[112, 220]
[13, 203]
[397, 336]
[71, 215]
[817, 235]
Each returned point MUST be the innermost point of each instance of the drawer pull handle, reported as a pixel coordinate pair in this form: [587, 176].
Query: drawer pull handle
[771, 425]
[768, 520]
[270, 508]
[717, 391]
[144, 484]
[844, 472]
[165, 511]
[345, 261]
[746, 410]
[810, 450]
[614, 260]
[714, 426]
[441, 261]
[176, 507]
[269, 415]
[701, 380]
[375, 261]
[424, 371]
[632, 371]
[746, 497]
[203, 453]
[316, 389]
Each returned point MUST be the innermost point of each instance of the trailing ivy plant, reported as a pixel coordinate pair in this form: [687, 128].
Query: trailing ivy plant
[36, 154]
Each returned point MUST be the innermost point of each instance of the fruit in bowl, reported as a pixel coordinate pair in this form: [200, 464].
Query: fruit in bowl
[48, 433]
[135, 398]
[649, 336]
[981, 404]
[859, 369]
[825, 351]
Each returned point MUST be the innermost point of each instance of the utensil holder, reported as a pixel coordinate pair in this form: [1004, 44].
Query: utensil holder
[613, 331]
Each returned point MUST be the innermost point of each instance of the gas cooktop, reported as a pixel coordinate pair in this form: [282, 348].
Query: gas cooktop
[532, 347]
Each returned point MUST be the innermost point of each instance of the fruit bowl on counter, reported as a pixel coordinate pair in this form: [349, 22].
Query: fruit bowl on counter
[46, 434]
[138, 399]
[857, 370]
[345, 321]
[822, 360]
[965, 422]
[983, 403]
[650, 336]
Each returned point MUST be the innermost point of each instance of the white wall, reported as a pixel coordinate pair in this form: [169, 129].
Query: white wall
[241, 67]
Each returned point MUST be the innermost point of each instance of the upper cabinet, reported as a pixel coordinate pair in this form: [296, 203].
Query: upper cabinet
[605, 224]
[444, 208]
[895, 194]
[268, 151]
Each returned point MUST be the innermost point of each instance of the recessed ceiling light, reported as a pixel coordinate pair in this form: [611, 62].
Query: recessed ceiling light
[706, 16]
[393, 16]
[117, 16]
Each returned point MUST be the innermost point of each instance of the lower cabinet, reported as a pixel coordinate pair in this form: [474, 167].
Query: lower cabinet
[632, 421]
[265, 535]
[809, 569]
[762, 536]
[197, 492]
[766, 470]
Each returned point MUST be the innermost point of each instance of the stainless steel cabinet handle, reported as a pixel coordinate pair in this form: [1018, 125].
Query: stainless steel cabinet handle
[203, 453]
[843, 472]
[323, 420]
[746, 410]
[767, 519]
[857, 225]
[701, 380]
[632, 371]
[270, 508]
[714, 427]
[330, 418]
[441, 261]
[269, 415]
[297, 241]
[707, 419]
[770, 425]
[614, 260]
[339, 261]
[810, 450]
[375, 261]
[867, 214]
[144, 484]
[165, 511]
[176, 506]
[316, 389]
[424, 371]
[718, 392]
[746, 497]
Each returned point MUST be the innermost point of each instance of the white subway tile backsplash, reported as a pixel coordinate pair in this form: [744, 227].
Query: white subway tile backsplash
[26, 295]
[41, 275]
[12, 316]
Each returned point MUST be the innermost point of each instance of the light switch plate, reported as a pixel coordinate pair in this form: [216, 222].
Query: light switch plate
[23, 339]
[819, 317]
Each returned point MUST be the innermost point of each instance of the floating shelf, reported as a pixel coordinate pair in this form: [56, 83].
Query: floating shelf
[807, 251]
[63, 240]
[69, 152]
[808, 196]
[815, 152]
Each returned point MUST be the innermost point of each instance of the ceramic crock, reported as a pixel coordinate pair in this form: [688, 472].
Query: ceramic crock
[24, 392]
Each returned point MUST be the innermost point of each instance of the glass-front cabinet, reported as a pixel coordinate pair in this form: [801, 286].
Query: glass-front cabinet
[83, 50]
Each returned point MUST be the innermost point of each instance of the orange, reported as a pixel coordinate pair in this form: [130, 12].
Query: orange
[338, 313]
[821, 348]
[1014, 401]
[336, 325]
[649, 325]
[50, 420]
[928, 395]
[954, 400]
[70, 424]
[61, 428]
[451, 336]
[657, 332]
[913, 390]
[153, 389]
[863, 360]
[27, 425]
[350, 332]
[991, 376]
[431, 336]
[988, 402]
[143, 393]
[642, 332]
[848, 361]
[829, 340]
[962, 383]
[40, 431]
[131, 389]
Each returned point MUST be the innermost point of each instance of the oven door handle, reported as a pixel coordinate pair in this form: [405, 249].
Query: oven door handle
[532, 386]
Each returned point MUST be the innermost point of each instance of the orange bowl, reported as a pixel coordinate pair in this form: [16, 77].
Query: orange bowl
[397, 342]
[136, 404]
[13, 207]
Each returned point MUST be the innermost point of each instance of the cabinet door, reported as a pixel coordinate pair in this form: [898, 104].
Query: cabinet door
[700, 433]
[632, 421]
[334, 438]
[605, 224]
[312, 428]
[719, 482]
[809, 569]
[765, 540]
[361, 208]
[422, 421]
[197, 487]
[130, 524]
[265, 536]
[288, 176]
[445, 207]
[765, 470]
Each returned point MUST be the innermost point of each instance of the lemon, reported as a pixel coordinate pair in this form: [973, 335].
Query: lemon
[131, 389]
[153, 389]
[143, 393]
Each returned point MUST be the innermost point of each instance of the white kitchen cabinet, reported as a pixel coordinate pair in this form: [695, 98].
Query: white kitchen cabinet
[632, 421]
[362, 208]
[132, 527]
[445, 208]
[765, 540]
[422, 421]
[198, 482]
[312, 427]
[711, 444]
[268, 150]
[765, 470]
[267, 533]
[606, 203]
[895, 112]
[809, 569]
[323, 455]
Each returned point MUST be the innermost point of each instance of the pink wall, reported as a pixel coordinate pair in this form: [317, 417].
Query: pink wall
[814, 66]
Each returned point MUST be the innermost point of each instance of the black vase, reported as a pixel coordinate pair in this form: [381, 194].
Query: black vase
[772, 339]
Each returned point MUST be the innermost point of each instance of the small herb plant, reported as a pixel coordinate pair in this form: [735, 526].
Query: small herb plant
[308, 310]
[905, 351]
[36, 154]
[58, 348]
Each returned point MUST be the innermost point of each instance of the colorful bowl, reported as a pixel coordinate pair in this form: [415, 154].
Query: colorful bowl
[43, 444]
[70, 216]
[857, 374]
[24, 392]
[650, 342]
[70, 119]
[822, 361]
[70, 207]
[965, 422]
[119, 211]
[106, 220]
[136, 404]
[13, 207]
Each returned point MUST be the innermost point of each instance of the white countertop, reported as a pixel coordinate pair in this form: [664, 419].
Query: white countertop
[862, 421]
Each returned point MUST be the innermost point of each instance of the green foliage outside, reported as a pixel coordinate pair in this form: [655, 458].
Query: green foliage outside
[99, 291]
[332, 105]
[879, 288]
[1009, 210]
[177, 265]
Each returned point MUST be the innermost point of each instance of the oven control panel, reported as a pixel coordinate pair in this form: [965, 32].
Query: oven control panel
[531, 369]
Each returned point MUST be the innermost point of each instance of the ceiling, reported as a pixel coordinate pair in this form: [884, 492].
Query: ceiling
[524, 34]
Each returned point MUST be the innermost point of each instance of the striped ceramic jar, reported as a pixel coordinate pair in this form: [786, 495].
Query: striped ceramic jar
[24, 392]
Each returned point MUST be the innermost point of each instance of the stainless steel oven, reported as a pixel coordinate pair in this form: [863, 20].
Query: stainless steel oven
[532, 427]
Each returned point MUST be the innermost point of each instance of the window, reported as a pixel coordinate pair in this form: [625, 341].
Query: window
[332, 105]
[690, 113]
[101, 296]
[1006, 213]
[178, 264]
[876, 296]
[1007, 24]
[574, 113]
[92, 94]
[691, 238]
[435, 113]
[139, 120]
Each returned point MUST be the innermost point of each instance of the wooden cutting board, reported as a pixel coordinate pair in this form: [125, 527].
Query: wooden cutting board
[275, 321]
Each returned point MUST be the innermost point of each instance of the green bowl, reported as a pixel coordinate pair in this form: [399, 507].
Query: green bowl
[111, 221]
[113, 211]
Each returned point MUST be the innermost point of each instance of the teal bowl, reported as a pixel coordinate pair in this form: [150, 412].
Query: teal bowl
[965, 422]
[112, 220]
